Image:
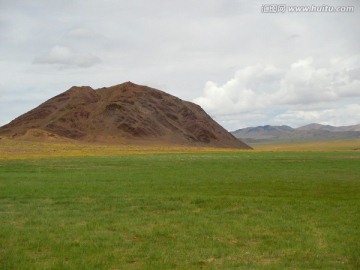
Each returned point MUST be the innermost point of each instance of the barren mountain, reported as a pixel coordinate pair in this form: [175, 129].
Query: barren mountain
[315, 126]
[312, 132]
[125, 113]
[263, 132]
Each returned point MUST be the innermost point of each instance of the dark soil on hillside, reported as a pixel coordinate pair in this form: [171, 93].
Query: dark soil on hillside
[126, 113]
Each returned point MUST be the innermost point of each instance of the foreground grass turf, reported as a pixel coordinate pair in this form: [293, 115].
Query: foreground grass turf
[247, 210]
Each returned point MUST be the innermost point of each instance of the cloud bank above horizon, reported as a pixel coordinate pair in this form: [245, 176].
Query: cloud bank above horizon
[300, 94]
[243, 66]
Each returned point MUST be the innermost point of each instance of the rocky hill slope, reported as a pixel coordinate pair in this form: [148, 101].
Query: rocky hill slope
[125, 113]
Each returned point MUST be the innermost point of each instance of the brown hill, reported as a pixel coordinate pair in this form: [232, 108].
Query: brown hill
[127, 113]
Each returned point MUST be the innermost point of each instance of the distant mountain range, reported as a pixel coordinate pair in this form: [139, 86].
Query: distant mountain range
[311, 132]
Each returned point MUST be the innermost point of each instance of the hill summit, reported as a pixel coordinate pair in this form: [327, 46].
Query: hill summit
[127, 113]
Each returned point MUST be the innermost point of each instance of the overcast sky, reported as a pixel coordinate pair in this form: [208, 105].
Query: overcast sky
[243, 66]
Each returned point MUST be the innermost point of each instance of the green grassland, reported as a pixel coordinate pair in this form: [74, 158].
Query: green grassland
[227, 210]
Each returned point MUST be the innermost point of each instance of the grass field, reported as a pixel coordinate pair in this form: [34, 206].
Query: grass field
[342, 145]
[199, 210]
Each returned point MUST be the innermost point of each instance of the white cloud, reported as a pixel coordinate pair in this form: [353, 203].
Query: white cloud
[250, 89]
[304, 83]
[66, 57]
[286, 94]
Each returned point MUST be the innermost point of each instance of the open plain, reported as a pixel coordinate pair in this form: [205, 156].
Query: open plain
[82, 206]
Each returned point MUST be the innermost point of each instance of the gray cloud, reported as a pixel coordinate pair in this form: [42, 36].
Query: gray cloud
[82, 33]
[181, 46]
[65, 57]
[294, 36]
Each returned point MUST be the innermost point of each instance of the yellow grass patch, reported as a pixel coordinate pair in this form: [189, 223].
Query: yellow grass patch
[21, 149]
[343, 145]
